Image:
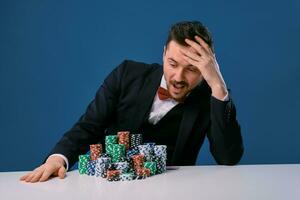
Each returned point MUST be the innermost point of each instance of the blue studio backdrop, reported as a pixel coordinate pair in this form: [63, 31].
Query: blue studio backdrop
[55, 54]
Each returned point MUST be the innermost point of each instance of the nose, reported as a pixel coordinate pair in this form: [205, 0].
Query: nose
[178, 75]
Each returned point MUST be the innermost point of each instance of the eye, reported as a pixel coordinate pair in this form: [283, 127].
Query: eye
[192, 69]
[172, 64]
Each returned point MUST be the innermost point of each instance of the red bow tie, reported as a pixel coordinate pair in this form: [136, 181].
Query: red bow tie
[163, 94]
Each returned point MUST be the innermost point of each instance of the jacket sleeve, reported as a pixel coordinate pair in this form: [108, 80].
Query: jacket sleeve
[91, 126]
[224, 136]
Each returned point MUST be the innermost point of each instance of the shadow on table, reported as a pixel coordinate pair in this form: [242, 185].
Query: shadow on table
[171, 169]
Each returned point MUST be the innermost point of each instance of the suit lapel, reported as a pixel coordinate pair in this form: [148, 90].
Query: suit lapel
[145, 98]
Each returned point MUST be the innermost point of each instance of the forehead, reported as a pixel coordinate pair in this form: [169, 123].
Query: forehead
[173, 52]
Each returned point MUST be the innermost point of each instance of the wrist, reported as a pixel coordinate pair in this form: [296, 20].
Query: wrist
[57, 159]
[219, 91]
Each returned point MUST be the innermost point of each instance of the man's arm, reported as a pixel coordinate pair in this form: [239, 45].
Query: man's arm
[224, 136]
[91, 126]
[89, 129]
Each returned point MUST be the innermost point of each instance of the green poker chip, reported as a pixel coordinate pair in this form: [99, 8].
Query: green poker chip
[151, 166]
[118, 152]
[111, 139]
[82, 163]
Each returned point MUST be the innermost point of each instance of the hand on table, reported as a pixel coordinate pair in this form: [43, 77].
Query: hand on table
[54, 166]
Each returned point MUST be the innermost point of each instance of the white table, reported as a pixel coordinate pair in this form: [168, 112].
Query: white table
[253, 182]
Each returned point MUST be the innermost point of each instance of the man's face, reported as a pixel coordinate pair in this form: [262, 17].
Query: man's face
[181, 76]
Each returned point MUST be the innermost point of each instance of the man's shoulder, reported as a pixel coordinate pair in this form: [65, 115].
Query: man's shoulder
[137, 66]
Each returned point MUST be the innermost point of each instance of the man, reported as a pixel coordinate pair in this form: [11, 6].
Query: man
[176, 105]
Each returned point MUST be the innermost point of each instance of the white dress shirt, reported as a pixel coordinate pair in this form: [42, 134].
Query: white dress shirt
[160, 107]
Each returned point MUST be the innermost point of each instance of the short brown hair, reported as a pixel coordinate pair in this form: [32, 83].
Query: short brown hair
[188, 29]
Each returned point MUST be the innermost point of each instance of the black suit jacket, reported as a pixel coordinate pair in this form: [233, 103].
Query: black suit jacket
[123, 102]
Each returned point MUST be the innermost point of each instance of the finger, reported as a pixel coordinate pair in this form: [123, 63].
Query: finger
[203, 44]
[36, 177]
[24, 177]
[197, 47]
[191, 61]
[46, 174]
[28, 178]
[62, 172]
[190, 54]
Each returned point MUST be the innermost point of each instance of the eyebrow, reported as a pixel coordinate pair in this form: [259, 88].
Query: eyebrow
[173, 60]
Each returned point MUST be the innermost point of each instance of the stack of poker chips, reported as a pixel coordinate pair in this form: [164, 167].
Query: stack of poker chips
[123, 138]
[96, 150]
[160, 157]
[82, 163]
[102, 164]
[126, 158]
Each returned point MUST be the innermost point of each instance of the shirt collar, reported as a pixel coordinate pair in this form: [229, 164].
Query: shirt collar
[163, 82]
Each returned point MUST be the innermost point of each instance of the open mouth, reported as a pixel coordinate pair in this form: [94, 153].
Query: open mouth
[177, 87]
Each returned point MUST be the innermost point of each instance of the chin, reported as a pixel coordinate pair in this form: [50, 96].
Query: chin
[178, 96]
